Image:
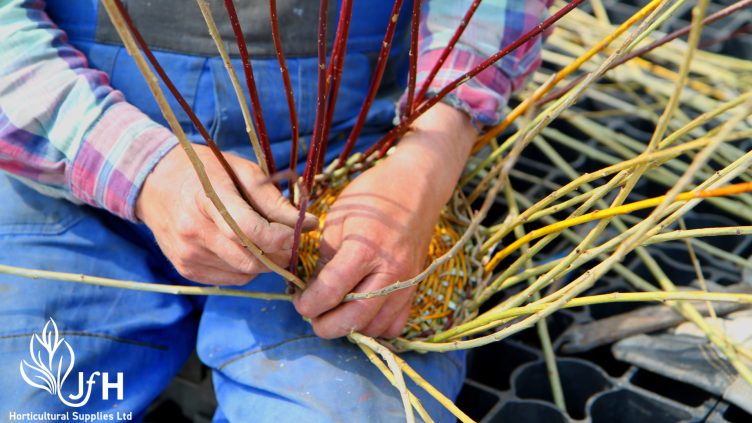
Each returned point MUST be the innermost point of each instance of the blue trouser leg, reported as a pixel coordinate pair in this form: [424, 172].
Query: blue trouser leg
[269, 366]
[145, 336]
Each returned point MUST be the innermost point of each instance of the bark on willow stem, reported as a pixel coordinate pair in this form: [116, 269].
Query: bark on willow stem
[614, 211]
[313, 152]
[250, 81]
[288, 92]
[414, 35]
[402, 127]
[184, 105]
[334, 75]
[140, 286]
[668, 38]
[448, 49]
[375, 82]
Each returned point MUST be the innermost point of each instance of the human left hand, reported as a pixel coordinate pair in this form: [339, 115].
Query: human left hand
[379, 229]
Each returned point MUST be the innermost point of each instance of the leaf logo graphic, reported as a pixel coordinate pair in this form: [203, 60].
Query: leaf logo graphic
[46, 372]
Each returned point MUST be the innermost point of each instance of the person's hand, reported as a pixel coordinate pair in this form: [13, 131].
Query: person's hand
[194, 236]
[379, 229]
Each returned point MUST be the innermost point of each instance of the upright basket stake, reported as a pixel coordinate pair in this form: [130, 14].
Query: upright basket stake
[288, 92]
[334, 74]
[186, 108]
[375, 82]
[414, 35]
[313, 152]
[250, 81]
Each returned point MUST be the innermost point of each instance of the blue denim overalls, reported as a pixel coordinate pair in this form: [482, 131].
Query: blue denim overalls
[267, 363]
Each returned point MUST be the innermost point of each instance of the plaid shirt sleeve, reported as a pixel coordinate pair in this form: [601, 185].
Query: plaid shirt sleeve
[63, 130]
[495, 25]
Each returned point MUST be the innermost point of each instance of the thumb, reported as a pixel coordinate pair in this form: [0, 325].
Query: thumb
[269, 237]
[272, 205]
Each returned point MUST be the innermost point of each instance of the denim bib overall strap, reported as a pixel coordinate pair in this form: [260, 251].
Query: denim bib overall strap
[267, 364]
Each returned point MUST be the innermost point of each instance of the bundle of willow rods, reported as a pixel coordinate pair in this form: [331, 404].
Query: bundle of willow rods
[698, 103]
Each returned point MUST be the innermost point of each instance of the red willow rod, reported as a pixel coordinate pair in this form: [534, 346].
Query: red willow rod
[335, 47]
[411, 79]
[288, 91]
[334, 74]
[384, 149]
[414, 35]
[670, 37]
[186, 108]
[248, 70]
[375, 82]
[461, 29]
[746, 29]
[318, 129]
[402, 127]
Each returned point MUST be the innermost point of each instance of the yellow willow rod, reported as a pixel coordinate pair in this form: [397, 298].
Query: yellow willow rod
[615, 297]
[627, 208]
[519, 110]
[503, 229]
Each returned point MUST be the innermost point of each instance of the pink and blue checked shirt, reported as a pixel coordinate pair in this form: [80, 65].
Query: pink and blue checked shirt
[67, 133]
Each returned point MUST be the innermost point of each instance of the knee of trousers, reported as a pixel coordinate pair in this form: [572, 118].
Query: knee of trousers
[270, 366]
[124, 346]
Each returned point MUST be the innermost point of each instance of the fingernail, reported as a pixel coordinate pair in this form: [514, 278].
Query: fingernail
[311, 216]
[288, 243]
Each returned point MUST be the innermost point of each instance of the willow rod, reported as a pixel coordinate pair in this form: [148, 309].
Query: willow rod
[376, 361]
[413, 71]
[616, 297]
[140, 286]
[251, 83]
[637, 53]
[658, 156]
[375, 82]
[288, 92]
[318, 129]
[520, 109]
[446, 402]
[334, 73]
[389, 357]
[615, 211]
[186, 108]
[116, 11]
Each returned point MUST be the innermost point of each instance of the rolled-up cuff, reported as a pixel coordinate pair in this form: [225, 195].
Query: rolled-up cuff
[483, 97]
[115, 158]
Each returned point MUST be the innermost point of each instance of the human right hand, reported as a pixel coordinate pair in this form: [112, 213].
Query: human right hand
[195, 237]
[379, 229]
